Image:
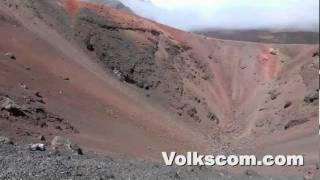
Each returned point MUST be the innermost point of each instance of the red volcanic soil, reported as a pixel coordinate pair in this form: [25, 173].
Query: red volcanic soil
[133, 87]
[72, 6]
[91, 100]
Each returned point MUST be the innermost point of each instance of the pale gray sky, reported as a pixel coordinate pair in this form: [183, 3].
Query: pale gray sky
[230, 14]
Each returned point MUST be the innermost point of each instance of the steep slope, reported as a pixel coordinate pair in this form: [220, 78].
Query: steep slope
[134, 87]
[106, 114]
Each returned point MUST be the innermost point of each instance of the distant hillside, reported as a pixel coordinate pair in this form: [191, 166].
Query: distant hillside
[265, 36]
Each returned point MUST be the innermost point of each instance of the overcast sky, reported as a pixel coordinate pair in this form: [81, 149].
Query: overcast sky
[230, 14]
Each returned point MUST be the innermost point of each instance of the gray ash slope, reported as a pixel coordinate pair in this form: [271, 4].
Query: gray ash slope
[18, 163]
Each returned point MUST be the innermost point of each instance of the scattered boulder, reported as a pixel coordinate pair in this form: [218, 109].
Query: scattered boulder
[308, 176]
[7, 104]
[315, 54]
[192, 112]
[243, 67]
[42, 138]
[212, 117]
[30, 110]
[251, 173]
[311, 98]
[273, 51]
[62, 143]
[90, 47]
[206, 77]
[260, 123]
[59, 141]
[37, 147]
[10, 55]
[24, 86]
[273, 94]
[295, 122]
[197, 119]
[198, 100]
[5, 140]
[59, 128]
[262, 109]
[90, 44]
[38, 94]
[155, 32]
[288, 104]
[117, 73]
[76, 148]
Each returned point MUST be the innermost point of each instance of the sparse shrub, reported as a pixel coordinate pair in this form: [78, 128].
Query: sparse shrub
[273, 94]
